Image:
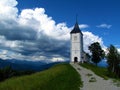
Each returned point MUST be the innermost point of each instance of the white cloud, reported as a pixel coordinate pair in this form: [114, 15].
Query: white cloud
[119, 50]
[90, 38]
[33, 35]
[82, 26]
[58, 59]
[104, 26]
[9, 44]
[39, 21]
[3, 54]
[8, 9]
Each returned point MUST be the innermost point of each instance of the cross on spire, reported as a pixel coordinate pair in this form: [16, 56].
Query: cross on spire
[76, 28]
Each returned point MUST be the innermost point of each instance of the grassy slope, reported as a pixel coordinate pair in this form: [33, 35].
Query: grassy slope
[102, 72]
[59, 77]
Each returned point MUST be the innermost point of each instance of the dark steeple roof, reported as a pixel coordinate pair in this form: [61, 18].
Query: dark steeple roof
[76, 29]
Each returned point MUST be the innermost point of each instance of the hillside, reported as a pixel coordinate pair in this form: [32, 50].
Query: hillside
[59, 77]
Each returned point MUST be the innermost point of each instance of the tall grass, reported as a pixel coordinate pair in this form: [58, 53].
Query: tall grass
[100, 71]
[59, 77]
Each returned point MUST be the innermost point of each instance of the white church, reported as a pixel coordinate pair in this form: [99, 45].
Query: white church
[77, 53]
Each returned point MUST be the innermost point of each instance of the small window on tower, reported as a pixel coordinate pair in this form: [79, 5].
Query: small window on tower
[75, 37]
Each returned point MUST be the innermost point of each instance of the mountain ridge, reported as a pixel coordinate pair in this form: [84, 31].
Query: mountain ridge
[26, 65]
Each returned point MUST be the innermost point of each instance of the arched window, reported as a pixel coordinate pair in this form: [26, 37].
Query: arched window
[75, 59]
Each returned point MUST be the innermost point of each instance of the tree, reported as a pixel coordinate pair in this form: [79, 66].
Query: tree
[97, 52]
[113, 60]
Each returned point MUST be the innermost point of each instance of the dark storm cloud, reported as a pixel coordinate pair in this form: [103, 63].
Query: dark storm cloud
[46, 46]
[18, 33]
[29, 43]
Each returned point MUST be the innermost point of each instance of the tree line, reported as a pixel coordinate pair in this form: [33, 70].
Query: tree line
[112, 56]
[8, 72]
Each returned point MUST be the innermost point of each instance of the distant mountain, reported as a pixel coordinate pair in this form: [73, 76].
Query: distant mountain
[103, 63]
[26, 65]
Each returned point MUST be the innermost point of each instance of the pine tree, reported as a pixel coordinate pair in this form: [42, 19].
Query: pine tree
[113, 60]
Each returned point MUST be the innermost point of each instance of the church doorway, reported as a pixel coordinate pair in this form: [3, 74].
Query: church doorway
[75, 59]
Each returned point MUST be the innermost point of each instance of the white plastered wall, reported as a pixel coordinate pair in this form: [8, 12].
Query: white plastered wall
[76, 46]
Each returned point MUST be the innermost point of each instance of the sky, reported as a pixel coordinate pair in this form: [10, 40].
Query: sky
[39, 30]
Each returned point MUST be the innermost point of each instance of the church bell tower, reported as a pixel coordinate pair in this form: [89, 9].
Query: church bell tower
[76, 44]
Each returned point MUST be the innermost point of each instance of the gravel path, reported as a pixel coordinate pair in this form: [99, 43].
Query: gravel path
[93, 82]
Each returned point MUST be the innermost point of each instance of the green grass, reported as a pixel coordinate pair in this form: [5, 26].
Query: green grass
[59, 77]
[102, 72]
[116, 82]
